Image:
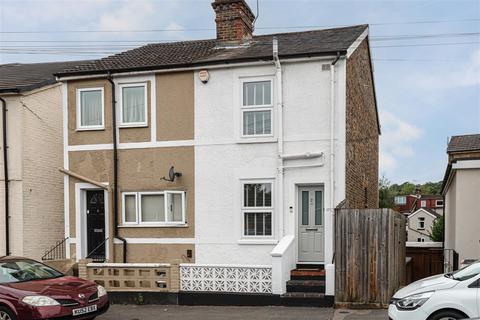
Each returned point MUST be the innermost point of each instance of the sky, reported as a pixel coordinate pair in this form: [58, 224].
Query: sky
[426, 55]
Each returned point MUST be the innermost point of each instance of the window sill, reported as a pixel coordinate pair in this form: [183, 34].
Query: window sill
[256, 140]
[91, 129]
[153, 226]
[258, 241]
[128, 126]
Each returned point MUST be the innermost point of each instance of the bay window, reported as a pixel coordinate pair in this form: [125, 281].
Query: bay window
[154, 208]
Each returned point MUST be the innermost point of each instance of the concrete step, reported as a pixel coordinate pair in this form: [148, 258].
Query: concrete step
[317, 286]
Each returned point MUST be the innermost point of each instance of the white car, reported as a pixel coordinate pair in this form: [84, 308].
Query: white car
[443, 297]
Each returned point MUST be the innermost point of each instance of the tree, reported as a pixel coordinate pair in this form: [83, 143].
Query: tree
[385, 194]
[436, 232]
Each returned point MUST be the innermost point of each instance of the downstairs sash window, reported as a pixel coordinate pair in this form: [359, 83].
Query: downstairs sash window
[257, 209]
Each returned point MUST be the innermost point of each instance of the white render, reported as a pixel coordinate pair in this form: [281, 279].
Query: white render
[223, 159]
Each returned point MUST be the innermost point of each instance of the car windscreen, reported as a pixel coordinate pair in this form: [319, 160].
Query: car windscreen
[467, 272]
[25, 270]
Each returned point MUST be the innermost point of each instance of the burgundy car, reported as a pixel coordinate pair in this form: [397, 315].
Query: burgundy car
[31, 290]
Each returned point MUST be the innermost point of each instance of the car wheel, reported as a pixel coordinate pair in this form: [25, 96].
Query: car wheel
[6, 314]
[447, 315]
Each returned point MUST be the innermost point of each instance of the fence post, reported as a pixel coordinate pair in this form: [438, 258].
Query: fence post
[82, 268]
[175, 275]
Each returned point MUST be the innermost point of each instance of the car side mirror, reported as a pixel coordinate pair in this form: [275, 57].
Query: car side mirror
[475, 284]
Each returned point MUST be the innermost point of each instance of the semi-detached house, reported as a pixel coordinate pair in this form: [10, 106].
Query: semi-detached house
[225, 153]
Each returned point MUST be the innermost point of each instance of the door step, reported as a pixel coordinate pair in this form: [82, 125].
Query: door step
[306, 299]
[307, 274]
[317, 286]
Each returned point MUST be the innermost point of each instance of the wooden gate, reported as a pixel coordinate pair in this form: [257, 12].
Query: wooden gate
[369, 256]
[426, 260]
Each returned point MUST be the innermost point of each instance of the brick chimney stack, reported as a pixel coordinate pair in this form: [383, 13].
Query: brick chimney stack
[235, 21]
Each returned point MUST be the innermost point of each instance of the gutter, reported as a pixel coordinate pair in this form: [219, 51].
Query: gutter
[192, 66]
[115, 170]
[6, 179]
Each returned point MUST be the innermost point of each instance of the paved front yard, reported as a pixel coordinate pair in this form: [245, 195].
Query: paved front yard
[134, 312]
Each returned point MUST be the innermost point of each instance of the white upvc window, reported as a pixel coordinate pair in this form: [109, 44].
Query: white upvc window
[257, 209]
[423, 203]
[421, 223]
[400, 200]
[158, 208]
[439, 203]
[133, 105]
[90, 109]
[257, 114]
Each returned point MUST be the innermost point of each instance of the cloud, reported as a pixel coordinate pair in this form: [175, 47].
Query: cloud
[453, 75]
[128, 15]
[396, 141]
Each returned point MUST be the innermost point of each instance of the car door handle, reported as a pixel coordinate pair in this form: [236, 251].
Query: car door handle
[312, 229]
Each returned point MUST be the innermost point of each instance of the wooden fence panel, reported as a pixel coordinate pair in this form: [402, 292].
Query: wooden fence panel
[369, 256]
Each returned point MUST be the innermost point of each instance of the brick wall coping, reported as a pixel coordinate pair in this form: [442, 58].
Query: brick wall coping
[128, 265]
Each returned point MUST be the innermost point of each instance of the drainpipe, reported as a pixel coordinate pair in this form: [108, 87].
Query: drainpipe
[332, 132]
[115, 171]
[5, 170]
[280, 170]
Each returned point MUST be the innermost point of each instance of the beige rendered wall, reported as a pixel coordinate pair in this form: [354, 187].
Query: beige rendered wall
[43, 217]
[451, 214]
[467, 235]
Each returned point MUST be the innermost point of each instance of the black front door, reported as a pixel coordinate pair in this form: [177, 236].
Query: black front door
[96, 224]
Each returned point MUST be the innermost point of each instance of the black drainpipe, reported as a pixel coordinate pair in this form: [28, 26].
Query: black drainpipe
[115, 171]
[5, 170]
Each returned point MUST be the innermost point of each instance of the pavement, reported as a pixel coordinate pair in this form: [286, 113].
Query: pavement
[150, 312]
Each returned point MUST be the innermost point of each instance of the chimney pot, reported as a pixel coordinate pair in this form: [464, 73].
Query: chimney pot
[235, 21]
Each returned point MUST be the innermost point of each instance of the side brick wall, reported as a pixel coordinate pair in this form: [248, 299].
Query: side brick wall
[362, 132]
[43, 218]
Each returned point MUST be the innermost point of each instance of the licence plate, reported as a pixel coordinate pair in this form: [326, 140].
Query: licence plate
[84, 310]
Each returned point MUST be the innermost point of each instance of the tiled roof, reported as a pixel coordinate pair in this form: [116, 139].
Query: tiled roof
[205, 52]
[19, 77]
[469, 142]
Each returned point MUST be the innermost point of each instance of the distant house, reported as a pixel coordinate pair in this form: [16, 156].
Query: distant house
[461, 186]
[411, 203]
[31, 192]
[419, 224]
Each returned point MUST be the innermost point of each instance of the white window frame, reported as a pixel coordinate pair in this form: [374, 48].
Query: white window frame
[244, 209]
[124, 194]
[403, 202]
[121, 86]
[79, 109]
[423, 203]
[269, 107]
[138, 199]
[436, 203]
[421, 219]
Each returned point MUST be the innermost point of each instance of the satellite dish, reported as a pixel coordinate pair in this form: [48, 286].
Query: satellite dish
[172, 175]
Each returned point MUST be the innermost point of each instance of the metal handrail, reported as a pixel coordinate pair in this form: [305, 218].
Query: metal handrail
[96, 248]
[56, 252]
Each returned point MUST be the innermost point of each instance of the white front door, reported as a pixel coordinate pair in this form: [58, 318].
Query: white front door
[310, 224]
